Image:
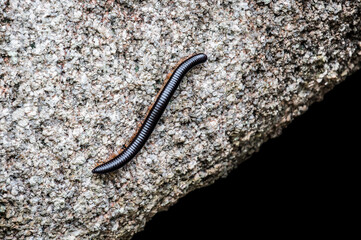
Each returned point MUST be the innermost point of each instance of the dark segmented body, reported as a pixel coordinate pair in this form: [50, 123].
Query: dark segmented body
[153, 115]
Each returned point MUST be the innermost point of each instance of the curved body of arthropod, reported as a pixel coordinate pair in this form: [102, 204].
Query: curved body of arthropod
[153, 115]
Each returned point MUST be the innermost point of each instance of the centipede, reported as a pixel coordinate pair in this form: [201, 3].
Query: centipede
[154, 113]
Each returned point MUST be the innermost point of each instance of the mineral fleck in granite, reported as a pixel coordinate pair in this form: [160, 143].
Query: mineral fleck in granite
[77, 76]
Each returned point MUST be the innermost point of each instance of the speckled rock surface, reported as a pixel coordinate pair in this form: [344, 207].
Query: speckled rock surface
[77, 76]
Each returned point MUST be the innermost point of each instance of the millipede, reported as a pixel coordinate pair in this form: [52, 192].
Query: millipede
[154, 113]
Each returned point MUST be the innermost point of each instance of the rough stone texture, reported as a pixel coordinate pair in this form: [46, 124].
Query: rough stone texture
[77, 76]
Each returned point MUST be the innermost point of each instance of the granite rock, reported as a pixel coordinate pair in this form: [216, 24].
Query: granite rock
[77, 76]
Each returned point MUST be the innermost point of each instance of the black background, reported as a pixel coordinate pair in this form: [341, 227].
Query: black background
[303, 183]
